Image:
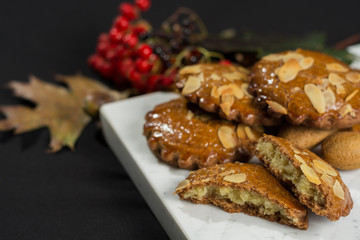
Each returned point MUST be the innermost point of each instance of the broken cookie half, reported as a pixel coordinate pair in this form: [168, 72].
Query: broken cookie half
[247, 188]
[315, 182]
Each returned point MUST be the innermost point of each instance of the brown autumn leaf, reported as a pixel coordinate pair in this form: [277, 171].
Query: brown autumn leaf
[58, 108]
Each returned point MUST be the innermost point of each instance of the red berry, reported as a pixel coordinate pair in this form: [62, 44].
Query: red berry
[225, 62]
[152, 83]
[104, 37]
[143, 66]
[125, 66]
[138, 30]
[116, 35]
[111, 54]
[95, 61]
[144, 5]
[102, 48]
[128, 10]
[167, 81]
[135, 76]
[121, 23]
[106, 69]
[145, 51]
[131, 40]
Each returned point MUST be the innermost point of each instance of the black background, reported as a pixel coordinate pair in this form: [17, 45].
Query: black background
[86, 194]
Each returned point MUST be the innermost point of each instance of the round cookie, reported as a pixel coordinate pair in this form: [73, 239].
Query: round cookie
[342, 150]
[222, 89]
[184, 136]
[309, 88]
[304, 137]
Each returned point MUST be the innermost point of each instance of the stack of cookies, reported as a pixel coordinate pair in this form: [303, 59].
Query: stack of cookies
[226, 115]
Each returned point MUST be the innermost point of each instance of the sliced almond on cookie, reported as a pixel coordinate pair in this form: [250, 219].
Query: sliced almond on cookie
[252, 134]
[293, 56]
[336, 67]
[214, 92]
[215, 77]
[324, 167]
[235, 178]
[330, 98]
[226, 102]
[310, 174]
[232, 76]
[192, 69]
[344, 110]
[240, 131]
[335, 79]
[353, 77]
[227, 137]
[316, 97]
[327, 179]
[183, 184]
[340, 89]
[338, 190]
[306, 63]
[300, 159]
[351, 95]
[289, 70]
[273, 57]
[231, 89]
[192, 84]
[276, 107]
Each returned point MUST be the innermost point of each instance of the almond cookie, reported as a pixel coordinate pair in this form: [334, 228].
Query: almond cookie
[184, 136]
[304, 137]
[309, 88]
[247, 188]
[315, 182]
[342, 150]
[222, 89]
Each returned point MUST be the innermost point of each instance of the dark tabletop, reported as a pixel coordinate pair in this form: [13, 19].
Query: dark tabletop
[86, 194]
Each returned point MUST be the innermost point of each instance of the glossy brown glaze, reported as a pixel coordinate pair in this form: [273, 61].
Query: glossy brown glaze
[184, 136]
[258, 180]
[334, 207]
[216, 76]
[266, 85]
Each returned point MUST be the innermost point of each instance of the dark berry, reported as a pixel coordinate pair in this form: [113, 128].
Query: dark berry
[144, 5]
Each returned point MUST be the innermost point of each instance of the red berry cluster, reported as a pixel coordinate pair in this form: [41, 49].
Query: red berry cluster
[122, 57]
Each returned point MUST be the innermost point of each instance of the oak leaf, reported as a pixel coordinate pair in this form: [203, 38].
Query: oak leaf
[59, 109]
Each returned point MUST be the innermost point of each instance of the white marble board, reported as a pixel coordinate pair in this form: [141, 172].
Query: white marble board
[122, 124]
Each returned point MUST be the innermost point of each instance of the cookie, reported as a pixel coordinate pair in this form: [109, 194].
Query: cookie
[308, 88]
[222, 89]
[184, 136]
[315, 182]
[304, 137]
[342, 150]
[247, 188]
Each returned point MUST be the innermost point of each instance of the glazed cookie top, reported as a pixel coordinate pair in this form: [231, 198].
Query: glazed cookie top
[188, 137]
[222, 89]
[309, 88]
